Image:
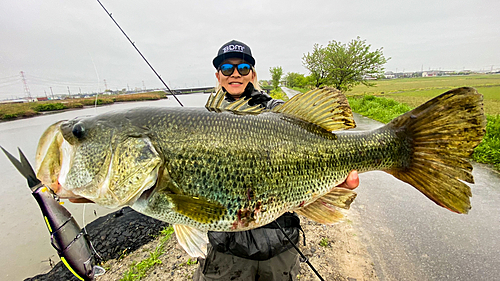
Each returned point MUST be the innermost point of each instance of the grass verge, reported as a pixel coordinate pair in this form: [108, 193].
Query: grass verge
[488, 150]
[137, 271]
[24, 110]
[279, 95]
[380, 109]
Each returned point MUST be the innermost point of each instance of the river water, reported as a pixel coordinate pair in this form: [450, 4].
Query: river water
[24, 238]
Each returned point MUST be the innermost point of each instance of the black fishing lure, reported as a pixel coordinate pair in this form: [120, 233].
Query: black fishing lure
[71, 244]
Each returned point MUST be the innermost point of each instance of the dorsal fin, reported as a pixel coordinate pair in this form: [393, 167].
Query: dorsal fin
[323, 209]
[193, 240]
[326, 107]
[218, 103]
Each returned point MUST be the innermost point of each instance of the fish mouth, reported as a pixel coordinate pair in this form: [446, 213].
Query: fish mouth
[49, 159]
[59, 167]
[52, 162]
[147, 193]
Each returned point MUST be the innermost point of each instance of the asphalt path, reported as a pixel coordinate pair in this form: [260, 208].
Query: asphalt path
[290, 92]
[411, 238]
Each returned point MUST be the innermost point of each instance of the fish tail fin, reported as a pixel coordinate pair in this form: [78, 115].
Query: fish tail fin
[443, 133]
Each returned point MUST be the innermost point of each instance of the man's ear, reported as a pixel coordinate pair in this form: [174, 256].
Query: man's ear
[217, 74]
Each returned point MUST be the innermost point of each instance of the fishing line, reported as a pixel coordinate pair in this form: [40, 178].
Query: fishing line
[133, 44]
[301, 254]
[97, 74]
[86, 233]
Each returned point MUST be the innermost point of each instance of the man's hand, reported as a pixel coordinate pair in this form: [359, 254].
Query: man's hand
[351, 182]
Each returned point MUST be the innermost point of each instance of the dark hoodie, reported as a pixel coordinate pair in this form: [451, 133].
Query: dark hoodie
[256, 97]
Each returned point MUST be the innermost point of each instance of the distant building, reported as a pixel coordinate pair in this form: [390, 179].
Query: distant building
[429, 73]
[389, 75]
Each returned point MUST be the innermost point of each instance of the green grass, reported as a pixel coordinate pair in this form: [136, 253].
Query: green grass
[49, 106]
[278, 94]
[380, 109]
[390, 86]
[384, 110]
[416, 91]
[488, 151]
[491, 97]
[324, 242]
[189, 262]
[381, 103]
[137, 271]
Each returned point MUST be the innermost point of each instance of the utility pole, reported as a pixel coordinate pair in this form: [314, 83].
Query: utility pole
[52, 92]
[26, 89]
[105, 85]
[69, 91]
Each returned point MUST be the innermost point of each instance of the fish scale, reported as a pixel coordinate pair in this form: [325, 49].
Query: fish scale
[291, 165]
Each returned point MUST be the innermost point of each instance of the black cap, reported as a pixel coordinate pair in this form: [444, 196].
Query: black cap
[234, 49]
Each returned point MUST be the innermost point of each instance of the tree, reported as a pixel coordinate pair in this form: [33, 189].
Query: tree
[315, 63]
[265, 85]
[294, 79]
[345, 65]
[276, 73]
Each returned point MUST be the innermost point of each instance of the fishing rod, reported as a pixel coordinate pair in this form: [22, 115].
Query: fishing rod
[144, 58]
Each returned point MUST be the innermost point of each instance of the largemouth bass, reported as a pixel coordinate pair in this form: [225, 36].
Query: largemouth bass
[232, 167]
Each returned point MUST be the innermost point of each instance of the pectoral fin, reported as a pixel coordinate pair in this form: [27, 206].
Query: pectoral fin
[323, 209]
[198, 209]
[194, 241]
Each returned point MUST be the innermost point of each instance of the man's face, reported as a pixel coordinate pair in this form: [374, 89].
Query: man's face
[235, 83]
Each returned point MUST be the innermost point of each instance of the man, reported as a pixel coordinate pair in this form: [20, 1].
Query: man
[263, 253]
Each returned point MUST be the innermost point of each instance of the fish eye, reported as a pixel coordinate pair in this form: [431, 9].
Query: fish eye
[78, 131]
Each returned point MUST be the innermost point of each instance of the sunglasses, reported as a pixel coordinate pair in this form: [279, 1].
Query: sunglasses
[243, 69]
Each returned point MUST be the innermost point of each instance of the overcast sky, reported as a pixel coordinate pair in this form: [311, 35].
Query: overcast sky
[75, 44]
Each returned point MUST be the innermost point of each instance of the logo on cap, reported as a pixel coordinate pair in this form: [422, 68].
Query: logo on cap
[233, 48]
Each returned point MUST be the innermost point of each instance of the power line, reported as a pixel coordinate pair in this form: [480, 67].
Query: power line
[9, 78]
